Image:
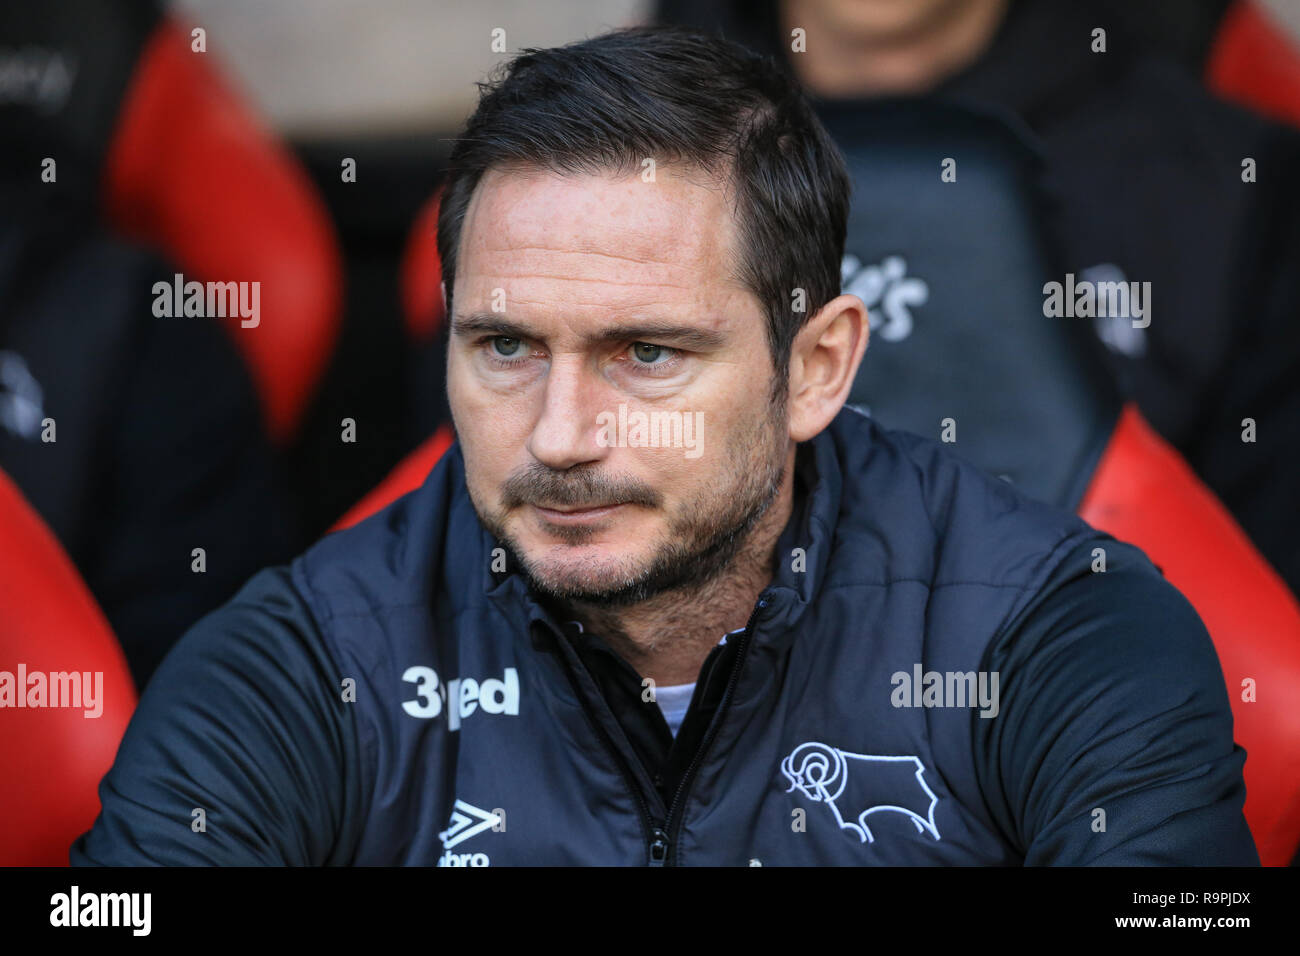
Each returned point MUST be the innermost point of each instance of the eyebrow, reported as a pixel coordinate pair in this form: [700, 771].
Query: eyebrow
[686, 336]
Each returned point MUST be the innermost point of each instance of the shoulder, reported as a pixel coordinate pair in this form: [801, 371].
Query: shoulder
[423, 547]
[934, 516]
[1108, 608]
[1112, 707]
[245, 721]
[1107, 646]
[266, 632]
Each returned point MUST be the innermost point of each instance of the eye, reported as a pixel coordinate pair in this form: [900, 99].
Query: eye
[650, 354]
[507, 352]
[647, 360]
[506, 347]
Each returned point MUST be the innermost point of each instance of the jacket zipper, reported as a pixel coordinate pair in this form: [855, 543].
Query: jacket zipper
[665, 835]
[661, 832]
[652, 826]
[658, 846]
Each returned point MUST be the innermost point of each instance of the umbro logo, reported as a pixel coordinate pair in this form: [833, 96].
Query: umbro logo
[468, 821]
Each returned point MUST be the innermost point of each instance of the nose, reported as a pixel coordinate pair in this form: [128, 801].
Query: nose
[564, 434]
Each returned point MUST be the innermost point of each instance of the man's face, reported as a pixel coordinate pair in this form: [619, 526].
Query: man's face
[594, 318]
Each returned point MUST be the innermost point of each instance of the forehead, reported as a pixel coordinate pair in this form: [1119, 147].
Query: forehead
[598, 235]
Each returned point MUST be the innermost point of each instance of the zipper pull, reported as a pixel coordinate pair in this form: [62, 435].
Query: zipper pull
[658, 847]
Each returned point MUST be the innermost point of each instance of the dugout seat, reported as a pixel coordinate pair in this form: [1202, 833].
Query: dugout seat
[956, 274]
[421, 275]
[53, 757]
[191, 168]
[953, 274]
[150, 131]
[1252, 62]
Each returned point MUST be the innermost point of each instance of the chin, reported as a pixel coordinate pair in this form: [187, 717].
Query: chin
[586, 574]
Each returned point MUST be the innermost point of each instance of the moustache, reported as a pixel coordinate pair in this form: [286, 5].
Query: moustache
[546, 487]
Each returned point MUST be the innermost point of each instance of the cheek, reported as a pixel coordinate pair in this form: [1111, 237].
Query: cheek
[493, 436]
[685, 481]
[490, 456]
[727, 434]
[483, 416]
[465, 395]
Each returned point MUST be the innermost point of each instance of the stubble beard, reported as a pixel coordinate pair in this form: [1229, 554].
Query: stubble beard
[702, 541]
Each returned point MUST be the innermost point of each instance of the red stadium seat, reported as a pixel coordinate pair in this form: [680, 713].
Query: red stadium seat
[1253, 63]
[53, 757]
[421, 275]
[192, 171]
[1142, 491]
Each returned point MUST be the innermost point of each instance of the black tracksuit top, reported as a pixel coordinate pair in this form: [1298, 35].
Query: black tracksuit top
[390, 698]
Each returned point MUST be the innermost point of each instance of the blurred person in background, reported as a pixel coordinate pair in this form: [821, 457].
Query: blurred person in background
[138, 438]
[1147, 169]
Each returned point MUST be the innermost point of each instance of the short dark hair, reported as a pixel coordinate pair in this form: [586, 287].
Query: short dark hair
[607, 103]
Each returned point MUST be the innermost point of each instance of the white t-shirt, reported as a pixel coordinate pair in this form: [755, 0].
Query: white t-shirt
[675, 699]
[674, 702]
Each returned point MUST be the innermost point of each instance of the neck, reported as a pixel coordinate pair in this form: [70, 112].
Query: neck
[849, 63]
[667, 637]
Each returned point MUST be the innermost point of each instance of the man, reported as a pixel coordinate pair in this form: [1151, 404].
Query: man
[1149, 174]
[894, 659]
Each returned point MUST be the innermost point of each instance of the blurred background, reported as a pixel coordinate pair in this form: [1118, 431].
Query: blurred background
[326, 69]
[299, 144]
[227, 156]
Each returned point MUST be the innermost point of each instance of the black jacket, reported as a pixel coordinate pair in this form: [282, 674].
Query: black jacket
[390, 698]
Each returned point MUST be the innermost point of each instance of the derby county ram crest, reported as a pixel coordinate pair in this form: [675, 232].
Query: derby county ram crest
[855, 786]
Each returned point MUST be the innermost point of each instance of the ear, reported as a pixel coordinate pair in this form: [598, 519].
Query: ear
[443, 287]
[824, 361]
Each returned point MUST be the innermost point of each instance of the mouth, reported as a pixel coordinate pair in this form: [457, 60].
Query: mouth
[576, 515]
